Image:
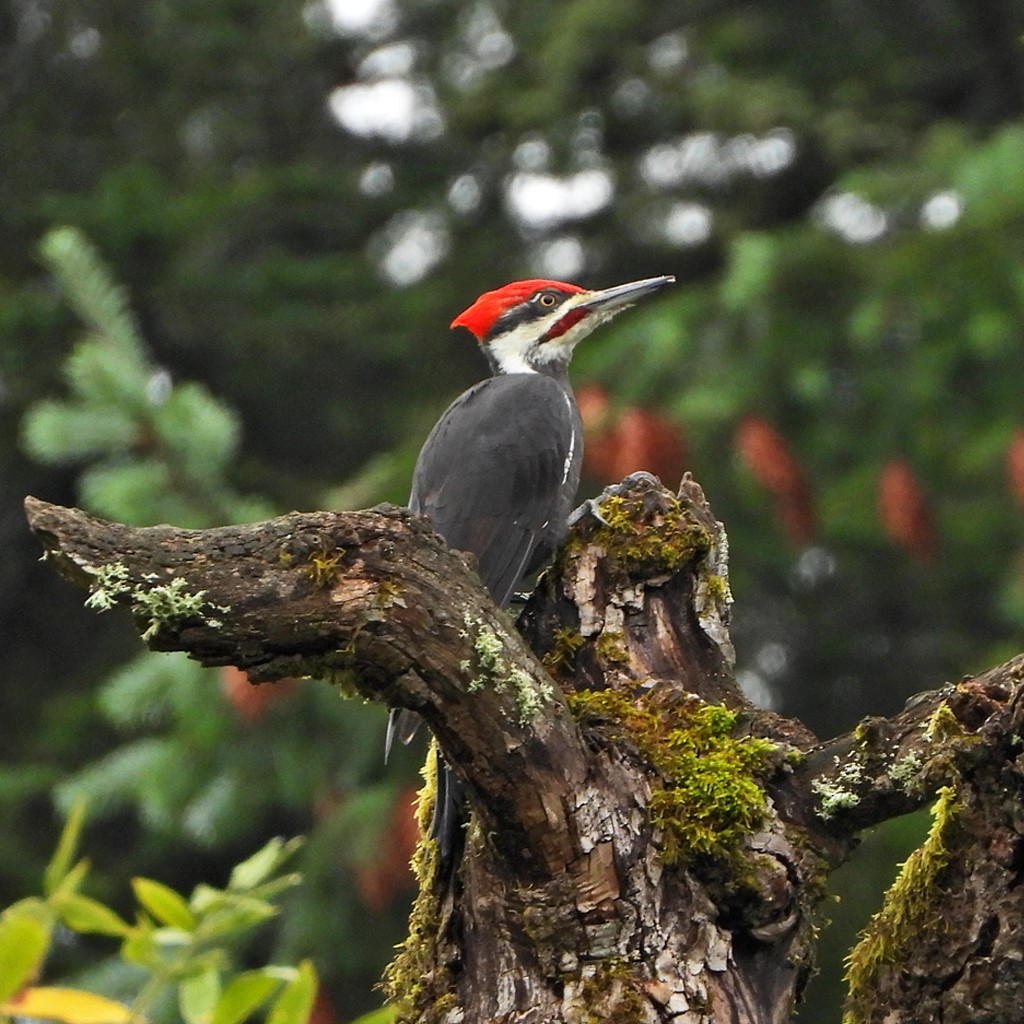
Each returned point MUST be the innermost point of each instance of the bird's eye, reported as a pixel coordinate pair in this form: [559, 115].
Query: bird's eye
[546, 299]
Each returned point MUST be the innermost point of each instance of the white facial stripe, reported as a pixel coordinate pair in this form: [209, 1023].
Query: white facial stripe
[514, 350]
[522, 351]
[509, 349]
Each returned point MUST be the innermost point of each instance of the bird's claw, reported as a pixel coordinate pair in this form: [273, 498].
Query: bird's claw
[592, 506]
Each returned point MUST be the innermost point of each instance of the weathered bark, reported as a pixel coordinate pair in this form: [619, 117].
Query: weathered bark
[634, 853]
[949, 943]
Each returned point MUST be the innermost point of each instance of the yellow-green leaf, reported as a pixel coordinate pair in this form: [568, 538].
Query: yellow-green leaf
[198, 995]
[256, 868]
[140, 946]
[24, 939]
[262, 864]
[240, 914]
[66, 847]
[82, 914]
[295, 1003]
[69, 1006]
[205, 898]
[164, 904]
[72, 880]
[243, 995]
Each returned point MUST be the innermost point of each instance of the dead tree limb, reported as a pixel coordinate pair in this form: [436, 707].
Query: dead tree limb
[644, 845]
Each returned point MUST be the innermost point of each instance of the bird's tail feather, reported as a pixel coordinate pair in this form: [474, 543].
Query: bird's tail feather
[447, 825]
[403, 724]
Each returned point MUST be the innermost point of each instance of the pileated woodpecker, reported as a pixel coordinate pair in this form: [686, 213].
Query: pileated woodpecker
[497, 476]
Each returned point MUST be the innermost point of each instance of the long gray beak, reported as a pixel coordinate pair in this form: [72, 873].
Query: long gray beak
[624, 294]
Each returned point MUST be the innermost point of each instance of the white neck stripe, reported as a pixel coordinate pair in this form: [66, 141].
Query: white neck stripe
[521, 349]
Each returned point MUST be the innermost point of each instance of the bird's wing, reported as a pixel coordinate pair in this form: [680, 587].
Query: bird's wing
[493, 472]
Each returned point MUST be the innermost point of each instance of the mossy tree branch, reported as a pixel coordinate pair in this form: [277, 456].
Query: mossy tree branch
[887, 767]
[660, 861]
[372, 600]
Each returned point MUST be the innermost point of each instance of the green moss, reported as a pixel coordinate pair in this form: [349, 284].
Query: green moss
[409, 981]
[912, 911]
[345, 679]
[388, 595]
[640, 541]
[708, 796]
[323, 568]
[562, 656]
[611, 647]
[611, 992]
[794, 757]
[943, 725]
[718, 588]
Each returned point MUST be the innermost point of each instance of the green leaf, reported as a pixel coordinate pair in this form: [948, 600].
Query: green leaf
[753, 264]
[73, 879]
[206, 899]
[67, 845]
[82, 914]
[244, 995]
[198, 995]
[242, 914]
[136, 486]
[107, 377]
[140, 946]
[163, 904]
[204, 432]
[295, 1003]
[24, 939]
[262, 864]
[171, 938]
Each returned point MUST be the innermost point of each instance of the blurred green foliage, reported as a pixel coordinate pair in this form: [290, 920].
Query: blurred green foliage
[292, 202]
[177, 955]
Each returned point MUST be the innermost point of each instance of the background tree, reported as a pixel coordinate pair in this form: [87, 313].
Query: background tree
[298, 200]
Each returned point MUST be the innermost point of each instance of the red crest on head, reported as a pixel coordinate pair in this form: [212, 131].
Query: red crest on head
[480, 317]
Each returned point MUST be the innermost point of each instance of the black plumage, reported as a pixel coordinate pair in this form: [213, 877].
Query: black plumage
[498, 475]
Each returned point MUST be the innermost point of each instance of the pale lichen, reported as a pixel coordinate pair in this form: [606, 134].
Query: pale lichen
[494, 670]
[530, 695]
[712, 595]
[160, 604]
[907, 770]
[110, 582]
[167, 604]
[839, 793]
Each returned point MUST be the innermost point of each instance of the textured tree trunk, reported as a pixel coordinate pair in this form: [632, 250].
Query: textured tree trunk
[643, 845]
